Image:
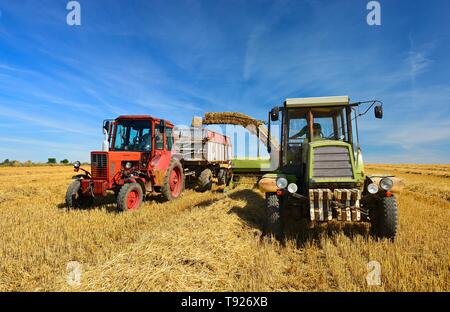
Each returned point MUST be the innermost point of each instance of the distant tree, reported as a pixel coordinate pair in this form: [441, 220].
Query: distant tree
[51, 161]
[6, 161]
[64, 161]
[15, 163]
[28, 163]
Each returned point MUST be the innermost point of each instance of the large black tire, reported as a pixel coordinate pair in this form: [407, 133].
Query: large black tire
[130, 197]
[172, 189]
[385, 220]
[222, 176]
[74, 197]
[274, 222]
[204, 180]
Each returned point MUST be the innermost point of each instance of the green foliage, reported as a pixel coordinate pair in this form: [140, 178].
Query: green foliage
[51, 161]
[64, 161]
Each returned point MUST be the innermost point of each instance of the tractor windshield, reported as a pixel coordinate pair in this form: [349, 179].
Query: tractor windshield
[331, 123]
[328, 124]
[133, 135]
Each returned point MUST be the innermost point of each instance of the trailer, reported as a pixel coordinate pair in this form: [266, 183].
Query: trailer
[205, 156]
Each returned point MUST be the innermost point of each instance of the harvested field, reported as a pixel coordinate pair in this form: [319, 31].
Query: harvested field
[212, 241]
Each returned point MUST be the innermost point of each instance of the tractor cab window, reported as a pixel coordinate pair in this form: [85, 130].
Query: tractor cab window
[329, 124]
[297, 127]
[159, 137]
[296, 134]
[169, 139]
[133, 135]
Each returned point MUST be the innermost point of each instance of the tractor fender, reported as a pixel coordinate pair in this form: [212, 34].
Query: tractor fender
[268, 182]
[141, 182]
[80, 176]
[398, 183]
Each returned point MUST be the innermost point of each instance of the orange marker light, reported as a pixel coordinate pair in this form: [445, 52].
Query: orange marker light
[388, 194]
[279, 192]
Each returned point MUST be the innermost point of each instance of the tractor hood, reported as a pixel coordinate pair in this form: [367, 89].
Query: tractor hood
[105, 165]
[332, 162]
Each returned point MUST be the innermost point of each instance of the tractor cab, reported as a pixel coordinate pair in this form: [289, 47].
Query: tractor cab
[135, 141]
[140, 133]
[318, 146]
[137, 158]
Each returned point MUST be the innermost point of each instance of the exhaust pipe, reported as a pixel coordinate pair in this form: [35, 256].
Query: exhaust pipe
[105, 144]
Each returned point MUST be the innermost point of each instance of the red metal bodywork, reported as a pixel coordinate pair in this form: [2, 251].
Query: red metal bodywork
[107, 168]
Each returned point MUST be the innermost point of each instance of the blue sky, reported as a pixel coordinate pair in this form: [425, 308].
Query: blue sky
[176, 59]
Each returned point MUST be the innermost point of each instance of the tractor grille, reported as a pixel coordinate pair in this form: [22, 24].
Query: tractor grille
[99, 166]
[332, 162]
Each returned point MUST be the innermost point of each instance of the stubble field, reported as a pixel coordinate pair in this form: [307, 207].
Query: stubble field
[212, 241]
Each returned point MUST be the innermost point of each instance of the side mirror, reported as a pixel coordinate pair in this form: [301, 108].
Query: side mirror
[378, 111]
[162, 125]
[274, 113]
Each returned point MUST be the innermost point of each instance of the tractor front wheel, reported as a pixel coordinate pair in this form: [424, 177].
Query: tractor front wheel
[130, 197]
[75, 198]
[173, 181]
[385, 219]
[274, 223]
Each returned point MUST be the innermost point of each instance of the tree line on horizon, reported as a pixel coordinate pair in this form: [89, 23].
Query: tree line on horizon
[50, 161]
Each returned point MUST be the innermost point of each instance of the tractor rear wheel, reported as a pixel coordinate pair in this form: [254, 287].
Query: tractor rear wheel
[130, 197]
[204, 180]
[74, 197]
[385, 222]
[274, 223]
[173, 181]
[222, 176]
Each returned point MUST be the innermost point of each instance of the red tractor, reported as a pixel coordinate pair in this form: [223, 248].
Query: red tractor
[138, 157]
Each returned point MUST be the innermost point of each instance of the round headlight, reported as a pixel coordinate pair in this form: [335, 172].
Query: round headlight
[76, 164]
[282, 183]
[386, 184]
[128, 165]
[372, 188]
[292, 188]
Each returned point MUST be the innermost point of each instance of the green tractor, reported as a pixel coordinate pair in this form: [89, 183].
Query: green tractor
[320, 168]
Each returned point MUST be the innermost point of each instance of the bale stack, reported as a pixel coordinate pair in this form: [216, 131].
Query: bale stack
[231, 118]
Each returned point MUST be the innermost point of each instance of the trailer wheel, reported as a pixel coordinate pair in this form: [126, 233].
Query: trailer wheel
[274, 223]
[385, 221]
[173, 181]
[74, 197]
[222, 176]
[204, 180]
